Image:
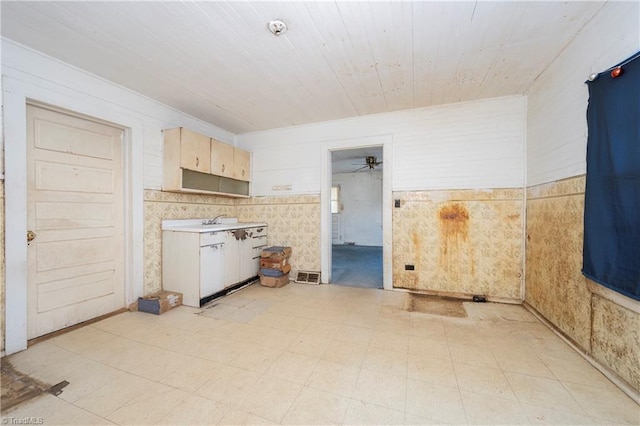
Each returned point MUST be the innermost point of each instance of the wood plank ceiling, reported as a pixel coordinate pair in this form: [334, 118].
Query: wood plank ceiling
[218, 62]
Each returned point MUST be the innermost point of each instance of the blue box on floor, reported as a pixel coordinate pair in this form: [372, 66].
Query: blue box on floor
[275, 282]
[159, 302]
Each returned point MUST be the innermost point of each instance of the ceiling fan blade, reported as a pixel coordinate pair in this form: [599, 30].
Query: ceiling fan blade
[357, 170]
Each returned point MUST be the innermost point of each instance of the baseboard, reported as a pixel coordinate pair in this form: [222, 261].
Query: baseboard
[463, 296]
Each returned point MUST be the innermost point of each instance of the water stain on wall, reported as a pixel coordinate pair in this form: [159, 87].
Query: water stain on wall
[453, 220]
[462, 242]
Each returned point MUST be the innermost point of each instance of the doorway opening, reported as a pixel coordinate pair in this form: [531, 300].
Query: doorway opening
[356, 217]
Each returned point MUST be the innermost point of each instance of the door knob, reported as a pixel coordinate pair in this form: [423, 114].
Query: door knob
[30, 236]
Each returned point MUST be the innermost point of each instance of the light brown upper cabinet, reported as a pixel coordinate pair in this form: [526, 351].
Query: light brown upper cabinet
[196, 163]
[195, 151]
[221, 158]
[241, 164]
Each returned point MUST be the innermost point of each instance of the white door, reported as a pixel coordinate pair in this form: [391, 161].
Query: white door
[336, 229]
[75, 209]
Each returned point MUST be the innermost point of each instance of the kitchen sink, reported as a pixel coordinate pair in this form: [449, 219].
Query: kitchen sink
[207, 225]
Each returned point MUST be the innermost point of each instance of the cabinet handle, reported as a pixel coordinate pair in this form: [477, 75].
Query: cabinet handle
[223, 168]
[197, 161]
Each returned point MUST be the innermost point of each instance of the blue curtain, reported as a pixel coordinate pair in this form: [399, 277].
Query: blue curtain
[611, 252]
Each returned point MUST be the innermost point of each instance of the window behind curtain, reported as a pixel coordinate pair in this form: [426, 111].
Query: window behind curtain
[611, 252]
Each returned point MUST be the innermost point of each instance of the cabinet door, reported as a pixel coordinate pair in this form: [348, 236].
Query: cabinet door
[250, 248]
[195, 151]
[211, 269]
[241, 164]
[249, 262]
[221, 158]
[231, 259]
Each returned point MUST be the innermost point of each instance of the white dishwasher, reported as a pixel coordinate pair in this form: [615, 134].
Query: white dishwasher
[211, 263]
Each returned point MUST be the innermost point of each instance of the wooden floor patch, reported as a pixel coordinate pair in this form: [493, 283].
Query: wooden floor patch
[18, 387]
[436, 305]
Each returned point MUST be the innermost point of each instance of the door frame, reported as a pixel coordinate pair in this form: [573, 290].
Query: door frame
[386, 141]
[16, 96]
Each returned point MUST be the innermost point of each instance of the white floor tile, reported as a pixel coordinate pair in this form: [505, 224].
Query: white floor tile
[545, 392]
[334, 378]
[435, 402]
[381, 389]
[270, 398]
[318, 355]
[315, 407]
[483, 380]
[485, 409]
[362, 413]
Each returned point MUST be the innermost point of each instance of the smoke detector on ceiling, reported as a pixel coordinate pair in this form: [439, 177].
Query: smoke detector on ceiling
[277, 27]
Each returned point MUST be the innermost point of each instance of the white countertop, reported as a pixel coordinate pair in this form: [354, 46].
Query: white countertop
[198, 225]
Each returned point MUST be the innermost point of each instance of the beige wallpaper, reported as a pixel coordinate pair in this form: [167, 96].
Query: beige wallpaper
[160, 205]
[293, 221]
[556, 288]
[615, 338]
[554, 257]
[462, 242]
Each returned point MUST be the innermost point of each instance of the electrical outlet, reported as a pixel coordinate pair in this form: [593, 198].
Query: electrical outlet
[409, 267]
[397, 204]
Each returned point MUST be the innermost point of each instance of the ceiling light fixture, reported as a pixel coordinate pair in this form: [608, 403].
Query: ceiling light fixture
[277, 27]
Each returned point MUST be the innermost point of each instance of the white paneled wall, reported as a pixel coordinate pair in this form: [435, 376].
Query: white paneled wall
[49, 80]
[361, 213]
[557, 101]
[477, 144]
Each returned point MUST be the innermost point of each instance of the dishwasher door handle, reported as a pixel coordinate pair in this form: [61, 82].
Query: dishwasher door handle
[215, 246]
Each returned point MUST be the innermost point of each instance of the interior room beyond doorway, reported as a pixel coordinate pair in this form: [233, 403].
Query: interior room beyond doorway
[356, 217]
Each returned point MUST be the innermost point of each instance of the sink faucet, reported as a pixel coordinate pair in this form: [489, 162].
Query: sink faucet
[214, 221]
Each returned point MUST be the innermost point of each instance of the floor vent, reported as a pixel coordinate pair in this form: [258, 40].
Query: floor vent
[308, 277]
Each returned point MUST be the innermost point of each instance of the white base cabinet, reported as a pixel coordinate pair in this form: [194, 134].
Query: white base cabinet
[201, 264]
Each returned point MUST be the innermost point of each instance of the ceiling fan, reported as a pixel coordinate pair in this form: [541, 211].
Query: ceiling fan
[370, 162]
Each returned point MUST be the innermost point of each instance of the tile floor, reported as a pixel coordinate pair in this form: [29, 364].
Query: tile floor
[306, 354]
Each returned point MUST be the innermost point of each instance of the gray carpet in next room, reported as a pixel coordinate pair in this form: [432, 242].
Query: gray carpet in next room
[357, 266]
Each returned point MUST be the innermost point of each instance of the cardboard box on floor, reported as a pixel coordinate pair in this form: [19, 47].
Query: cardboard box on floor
[157, 303]
[275, 272]
[275, 263]
[276, 253]
[275, 282]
